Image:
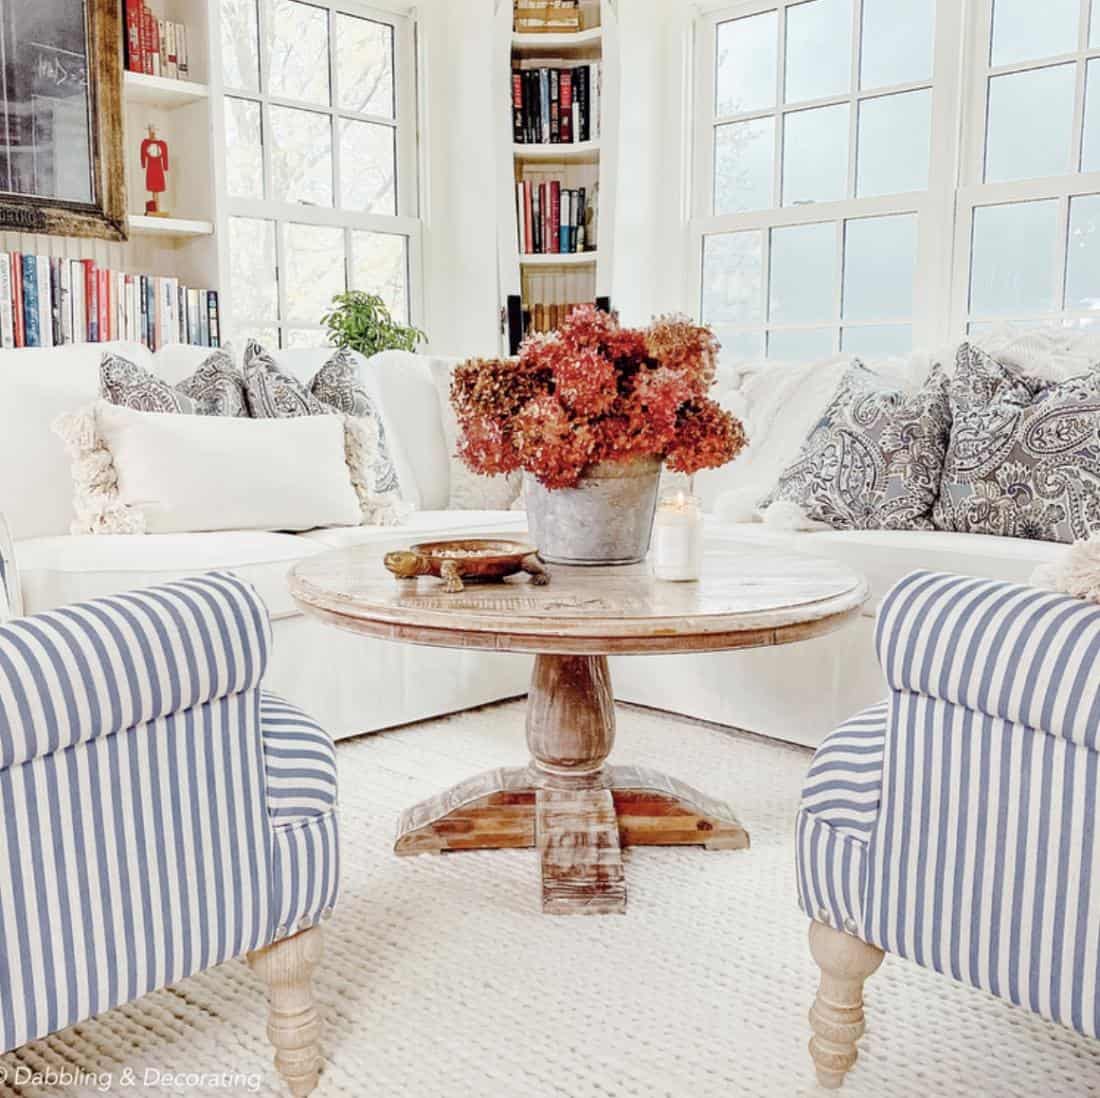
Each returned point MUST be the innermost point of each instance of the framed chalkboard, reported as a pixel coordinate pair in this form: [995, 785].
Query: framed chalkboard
[61, 155]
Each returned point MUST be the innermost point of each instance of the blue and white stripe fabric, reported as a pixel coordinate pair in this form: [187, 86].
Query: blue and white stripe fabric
[138, 840]
[845, 779]
[300, 761]
[983, 861]
[300, 767]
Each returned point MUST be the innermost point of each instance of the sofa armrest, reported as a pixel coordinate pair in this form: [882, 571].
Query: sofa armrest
[92, 669]
[1017, 653]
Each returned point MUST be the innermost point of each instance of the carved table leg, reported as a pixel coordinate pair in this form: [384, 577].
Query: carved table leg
[837, 1014]
[578, 811]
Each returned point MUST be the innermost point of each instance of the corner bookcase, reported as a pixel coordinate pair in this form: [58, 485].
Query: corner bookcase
[537, 288]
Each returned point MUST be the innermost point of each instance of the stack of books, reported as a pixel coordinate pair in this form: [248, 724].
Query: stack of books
[47, 301]
[541, 317]
[553, 219]
[157, 47]
[555, 106]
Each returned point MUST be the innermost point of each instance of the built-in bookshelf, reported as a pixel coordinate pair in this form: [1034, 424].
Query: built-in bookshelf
[559, 104]
[183, 246]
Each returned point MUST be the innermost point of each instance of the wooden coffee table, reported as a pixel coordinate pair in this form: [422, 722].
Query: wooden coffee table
[577, 810]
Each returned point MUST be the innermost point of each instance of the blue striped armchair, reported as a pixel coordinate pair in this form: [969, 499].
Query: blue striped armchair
[159, 812]
[957, 823]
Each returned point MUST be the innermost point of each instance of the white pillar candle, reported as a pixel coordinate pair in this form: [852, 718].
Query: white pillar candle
[678, 539]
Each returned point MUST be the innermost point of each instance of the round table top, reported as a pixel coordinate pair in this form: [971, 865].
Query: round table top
[747, 597]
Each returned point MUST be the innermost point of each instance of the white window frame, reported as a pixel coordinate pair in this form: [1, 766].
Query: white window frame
[406, 222]
[973, 193]
[934, 207]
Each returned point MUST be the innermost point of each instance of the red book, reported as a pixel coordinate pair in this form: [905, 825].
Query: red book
[544, 217]
[555, 216]
[528, 221]
[134, 60]
[154, 44]
[17, 298]
[91, 300]
[148, 33]
[517, 107]
[103, 305]
[565, 112]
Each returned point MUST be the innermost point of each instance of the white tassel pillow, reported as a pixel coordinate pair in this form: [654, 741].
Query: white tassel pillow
[146, 472]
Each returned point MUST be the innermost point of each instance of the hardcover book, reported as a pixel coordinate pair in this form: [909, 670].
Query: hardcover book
[31, 335]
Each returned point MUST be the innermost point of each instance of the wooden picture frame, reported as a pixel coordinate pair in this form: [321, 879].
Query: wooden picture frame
[104, 216]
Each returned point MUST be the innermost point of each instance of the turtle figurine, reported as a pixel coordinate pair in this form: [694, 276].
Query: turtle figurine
[471, 560]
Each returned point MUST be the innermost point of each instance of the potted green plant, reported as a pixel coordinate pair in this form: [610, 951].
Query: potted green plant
[362, 322]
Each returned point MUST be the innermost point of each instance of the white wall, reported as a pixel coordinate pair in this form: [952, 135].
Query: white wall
[654, 137]
[459, 198]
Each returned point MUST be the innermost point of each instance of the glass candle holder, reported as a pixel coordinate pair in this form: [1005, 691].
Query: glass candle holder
[678, 539]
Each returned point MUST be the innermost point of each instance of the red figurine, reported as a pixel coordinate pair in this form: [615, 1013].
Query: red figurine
[154, 159]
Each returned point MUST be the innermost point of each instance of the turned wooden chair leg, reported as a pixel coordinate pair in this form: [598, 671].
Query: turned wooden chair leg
[294, 1026]
[837, 1014]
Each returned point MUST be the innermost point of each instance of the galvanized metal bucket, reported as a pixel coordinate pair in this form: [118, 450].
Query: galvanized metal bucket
[606, 519]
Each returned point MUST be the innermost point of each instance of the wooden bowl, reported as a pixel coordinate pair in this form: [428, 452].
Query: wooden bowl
[481, 558]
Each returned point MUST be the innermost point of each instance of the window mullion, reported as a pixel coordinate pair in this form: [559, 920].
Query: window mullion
[280, 280]
[1062, 260]
[780, 116]
[838, 305]
[766, 277]
[853, 105]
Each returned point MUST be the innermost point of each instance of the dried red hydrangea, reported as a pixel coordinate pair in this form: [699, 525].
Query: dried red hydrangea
[593, 391]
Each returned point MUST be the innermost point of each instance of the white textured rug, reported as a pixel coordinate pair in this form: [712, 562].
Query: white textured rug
[443, 980]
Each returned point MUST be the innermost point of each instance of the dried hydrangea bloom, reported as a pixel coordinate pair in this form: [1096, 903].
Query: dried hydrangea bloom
[593, 391]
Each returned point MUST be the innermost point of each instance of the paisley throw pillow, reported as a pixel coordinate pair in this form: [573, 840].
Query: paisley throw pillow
[875, 458]
[1024, 456]
[216, 388]
[273, 393]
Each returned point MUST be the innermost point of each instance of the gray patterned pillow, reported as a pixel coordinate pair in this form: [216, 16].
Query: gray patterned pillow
[875, 457]
[273, 393]
[216, 388]
[1024, 456]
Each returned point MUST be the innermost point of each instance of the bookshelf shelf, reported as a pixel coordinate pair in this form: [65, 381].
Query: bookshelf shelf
[565, 186]
[561, 44]
[558, 259]
[160, 91]
[577, 152]
[141, 225]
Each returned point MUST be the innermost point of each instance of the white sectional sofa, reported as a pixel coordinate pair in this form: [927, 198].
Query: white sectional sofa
[352, 684]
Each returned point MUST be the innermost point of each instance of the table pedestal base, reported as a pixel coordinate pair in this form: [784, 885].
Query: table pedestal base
[579, 832]
[578, 811]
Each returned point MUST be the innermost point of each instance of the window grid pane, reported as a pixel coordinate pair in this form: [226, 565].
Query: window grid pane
[380, 265]
[298, 52]
[364, 66]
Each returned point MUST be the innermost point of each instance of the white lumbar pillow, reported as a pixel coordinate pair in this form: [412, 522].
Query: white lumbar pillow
[164, 474]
